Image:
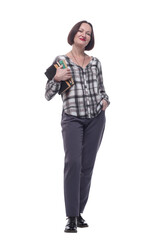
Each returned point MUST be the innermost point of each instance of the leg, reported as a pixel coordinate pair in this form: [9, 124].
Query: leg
[93, 134]
[72, 132]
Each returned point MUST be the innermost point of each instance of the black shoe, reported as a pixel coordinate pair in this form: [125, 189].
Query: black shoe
[81, 222]
[71, 226]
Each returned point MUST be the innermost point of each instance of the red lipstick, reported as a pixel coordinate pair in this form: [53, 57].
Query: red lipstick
[82, 39]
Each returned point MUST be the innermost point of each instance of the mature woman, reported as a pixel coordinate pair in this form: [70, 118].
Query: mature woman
[83, 119]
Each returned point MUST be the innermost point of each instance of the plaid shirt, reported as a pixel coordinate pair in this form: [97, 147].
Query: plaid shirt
[84, 98]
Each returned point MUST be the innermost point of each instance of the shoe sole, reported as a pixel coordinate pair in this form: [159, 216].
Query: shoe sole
[70, 231]
[82, 226]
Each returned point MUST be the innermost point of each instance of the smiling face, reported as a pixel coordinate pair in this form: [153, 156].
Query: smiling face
[83, 36]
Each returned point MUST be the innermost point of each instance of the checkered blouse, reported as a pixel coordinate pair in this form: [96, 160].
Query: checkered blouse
[84, 98]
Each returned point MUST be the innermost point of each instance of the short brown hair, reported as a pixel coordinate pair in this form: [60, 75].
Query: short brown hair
[75, 29]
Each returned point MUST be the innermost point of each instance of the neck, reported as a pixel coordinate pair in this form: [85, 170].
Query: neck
[78, 51]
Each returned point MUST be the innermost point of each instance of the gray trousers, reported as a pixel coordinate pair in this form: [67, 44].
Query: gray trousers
[81, 139]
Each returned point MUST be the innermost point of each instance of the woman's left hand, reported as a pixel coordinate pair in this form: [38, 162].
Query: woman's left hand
[105, 104]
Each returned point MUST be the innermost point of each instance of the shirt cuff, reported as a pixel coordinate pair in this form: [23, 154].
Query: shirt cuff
[107, 101]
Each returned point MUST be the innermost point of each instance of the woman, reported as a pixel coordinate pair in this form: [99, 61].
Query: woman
[83, 119]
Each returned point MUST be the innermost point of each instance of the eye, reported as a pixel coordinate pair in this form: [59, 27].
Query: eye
[88, 34]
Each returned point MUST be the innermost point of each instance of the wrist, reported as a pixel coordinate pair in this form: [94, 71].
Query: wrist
[108, 102]
[56, 79]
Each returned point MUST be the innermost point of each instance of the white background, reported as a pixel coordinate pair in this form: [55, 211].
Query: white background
[124, 198]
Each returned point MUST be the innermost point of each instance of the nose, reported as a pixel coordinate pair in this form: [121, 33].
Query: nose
[84, 35]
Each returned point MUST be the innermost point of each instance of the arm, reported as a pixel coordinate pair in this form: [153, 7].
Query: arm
[101, 85]
[52, 87]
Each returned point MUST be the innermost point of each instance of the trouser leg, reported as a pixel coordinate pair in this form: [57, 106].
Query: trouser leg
[72, 132]
[93, 134]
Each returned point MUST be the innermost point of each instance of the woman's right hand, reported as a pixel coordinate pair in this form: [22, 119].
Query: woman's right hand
[62, 74]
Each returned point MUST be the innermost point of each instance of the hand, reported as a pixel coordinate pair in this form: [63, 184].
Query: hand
[62, 74]
[105, 104]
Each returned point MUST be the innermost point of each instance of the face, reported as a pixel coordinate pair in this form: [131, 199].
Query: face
[83, 36]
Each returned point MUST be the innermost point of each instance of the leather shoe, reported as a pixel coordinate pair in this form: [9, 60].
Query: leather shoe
[81, 222]
[71, 226]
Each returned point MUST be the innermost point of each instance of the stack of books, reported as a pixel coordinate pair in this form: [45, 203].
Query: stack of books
[51, 71]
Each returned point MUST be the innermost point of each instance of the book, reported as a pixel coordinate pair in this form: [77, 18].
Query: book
[51, 71]
[65, 85]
